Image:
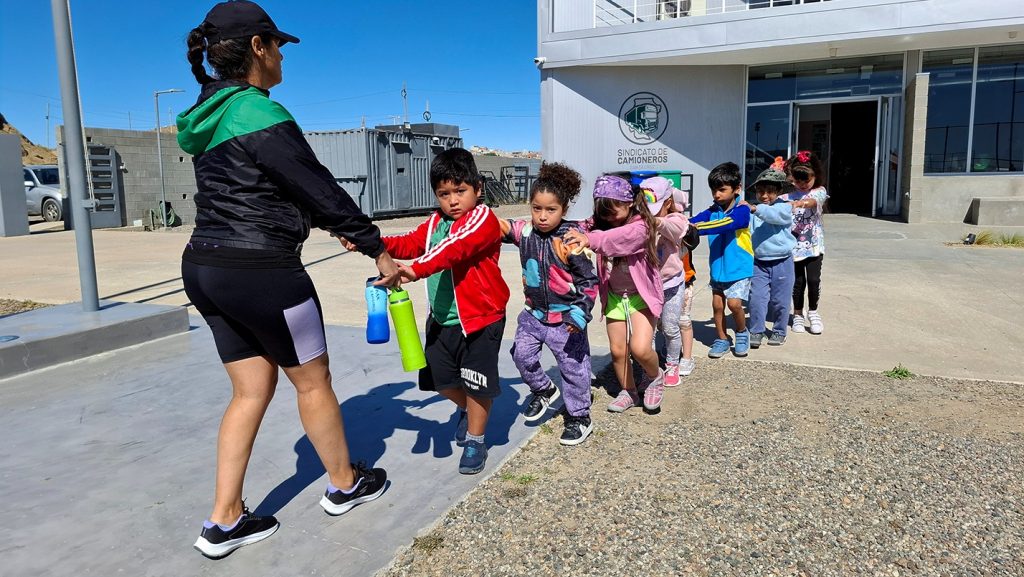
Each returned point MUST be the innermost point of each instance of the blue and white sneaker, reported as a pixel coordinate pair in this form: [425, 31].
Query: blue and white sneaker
[474, 457]
[742, 345]
[719, 348]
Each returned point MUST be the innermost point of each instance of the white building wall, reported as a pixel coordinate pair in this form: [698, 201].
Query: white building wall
[580, 121]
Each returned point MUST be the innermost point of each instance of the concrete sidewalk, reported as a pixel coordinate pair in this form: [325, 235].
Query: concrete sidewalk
[892, 292]
[108, 463]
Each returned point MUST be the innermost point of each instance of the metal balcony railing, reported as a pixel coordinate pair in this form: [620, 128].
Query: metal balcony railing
[617, 12]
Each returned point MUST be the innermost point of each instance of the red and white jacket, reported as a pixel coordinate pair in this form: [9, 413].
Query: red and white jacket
[471, 252]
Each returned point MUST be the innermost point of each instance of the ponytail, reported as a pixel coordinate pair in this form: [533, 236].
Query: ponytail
[196, 48]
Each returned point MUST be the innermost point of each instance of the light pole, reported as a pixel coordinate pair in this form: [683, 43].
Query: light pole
[159, 152]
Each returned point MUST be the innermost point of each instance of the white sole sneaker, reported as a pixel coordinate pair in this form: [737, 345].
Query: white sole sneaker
[547, 405]
[798, 324]
[335, 510]
[219, 550]
[573, 442]
[816, 327]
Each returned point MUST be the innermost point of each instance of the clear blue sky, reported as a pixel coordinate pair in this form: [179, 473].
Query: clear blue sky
[472, 59]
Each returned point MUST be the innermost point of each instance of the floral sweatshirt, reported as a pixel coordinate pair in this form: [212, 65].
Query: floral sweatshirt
[810, 236]
[559, 286]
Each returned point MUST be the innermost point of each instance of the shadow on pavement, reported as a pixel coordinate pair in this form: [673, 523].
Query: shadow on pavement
[373, 417]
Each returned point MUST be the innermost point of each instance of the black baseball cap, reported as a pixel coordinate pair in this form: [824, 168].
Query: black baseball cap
[241, 19]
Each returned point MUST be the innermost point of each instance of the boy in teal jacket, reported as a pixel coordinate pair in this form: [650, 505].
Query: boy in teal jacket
[727, 225]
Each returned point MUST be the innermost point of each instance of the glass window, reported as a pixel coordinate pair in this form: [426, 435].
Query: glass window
[47, 175]
[949, 109]
[998, 143]
[767, 137]
[833, 78]
[27, 174]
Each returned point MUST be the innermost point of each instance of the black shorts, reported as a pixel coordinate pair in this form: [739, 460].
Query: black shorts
[272, 312]
[455, 360]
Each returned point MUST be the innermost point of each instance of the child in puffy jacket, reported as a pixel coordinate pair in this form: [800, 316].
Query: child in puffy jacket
[559, 288]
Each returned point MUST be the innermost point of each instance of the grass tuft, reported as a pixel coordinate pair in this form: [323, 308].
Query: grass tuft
[899, 372]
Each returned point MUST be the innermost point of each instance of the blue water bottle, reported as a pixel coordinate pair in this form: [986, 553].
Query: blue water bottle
[377, 329]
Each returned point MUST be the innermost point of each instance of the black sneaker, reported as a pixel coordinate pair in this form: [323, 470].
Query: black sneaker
[216, 543]
[370, 484]
[538, 403]
[577, 429]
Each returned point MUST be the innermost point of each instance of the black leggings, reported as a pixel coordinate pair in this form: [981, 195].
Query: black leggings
[808, 274]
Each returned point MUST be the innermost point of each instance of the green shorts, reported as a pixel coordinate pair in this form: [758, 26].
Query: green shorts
[616, 309]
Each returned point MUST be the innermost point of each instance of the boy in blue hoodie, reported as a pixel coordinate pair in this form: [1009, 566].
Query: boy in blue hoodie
[727, 225]
[772, 286]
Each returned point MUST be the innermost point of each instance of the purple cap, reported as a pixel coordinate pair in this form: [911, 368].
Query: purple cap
[613, 187]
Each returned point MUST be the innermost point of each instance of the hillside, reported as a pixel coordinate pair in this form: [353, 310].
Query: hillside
[31, 153]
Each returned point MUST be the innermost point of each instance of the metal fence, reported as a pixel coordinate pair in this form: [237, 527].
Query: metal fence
[617, 12]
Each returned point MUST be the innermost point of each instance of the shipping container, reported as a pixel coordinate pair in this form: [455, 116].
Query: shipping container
[385, 169]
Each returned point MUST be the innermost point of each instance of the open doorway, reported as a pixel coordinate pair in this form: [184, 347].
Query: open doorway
[844, 135]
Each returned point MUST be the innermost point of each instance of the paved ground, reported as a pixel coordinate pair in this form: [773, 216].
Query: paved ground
[107, 463]
[892, 292]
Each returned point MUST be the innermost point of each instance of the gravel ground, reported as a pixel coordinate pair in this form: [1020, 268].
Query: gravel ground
[756, 468]
[11, 306]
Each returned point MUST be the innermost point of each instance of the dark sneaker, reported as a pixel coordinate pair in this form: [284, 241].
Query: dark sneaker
[756, 339]
[474, 457]
[460, 429]
[777, 339]
[216, 543]
[539, 402]
[577, 429]
[370, 484]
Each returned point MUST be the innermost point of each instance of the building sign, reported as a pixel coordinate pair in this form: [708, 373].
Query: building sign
[643, 118]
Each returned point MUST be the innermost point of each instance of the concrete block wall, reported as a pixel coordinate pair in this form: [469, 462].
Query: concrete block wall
[141, 173]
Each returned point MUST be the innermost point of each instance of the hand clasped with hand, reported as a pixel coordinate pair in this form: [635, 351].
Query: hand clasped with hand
[576, 239]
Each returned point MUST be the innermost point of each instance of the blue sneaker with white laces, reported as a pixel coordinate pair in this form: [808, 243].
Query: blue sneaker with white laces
[719, 348]
[742, 345]
[474, 457]
[460, 429]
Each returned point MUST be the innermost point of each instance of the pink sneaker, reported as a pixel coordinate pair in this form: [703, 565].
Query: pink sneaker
[625, 401]
[655, 392]
[671, 374]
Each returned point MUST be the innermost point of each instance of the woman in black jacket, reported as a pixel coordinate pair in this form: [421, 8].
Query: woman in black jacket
[260, 189]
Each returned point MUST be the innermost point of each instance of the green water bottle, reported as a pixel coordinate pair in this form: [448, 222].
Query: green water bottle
[404, 320]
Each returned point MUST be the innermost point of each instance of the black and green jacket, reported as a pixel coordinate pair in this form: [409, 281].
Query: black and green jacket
[259, 184]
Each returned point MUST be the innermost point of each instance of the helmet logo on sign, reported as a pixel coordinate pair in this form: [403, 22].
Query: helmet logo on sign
[643, 118]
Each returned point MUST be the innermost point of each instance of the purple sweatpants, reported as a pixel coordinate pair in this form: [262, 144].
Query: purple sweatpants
[572, 352]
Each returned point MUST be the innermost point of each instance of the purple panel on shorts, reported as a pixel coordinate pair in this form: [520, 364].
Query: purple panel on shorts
[307, 330]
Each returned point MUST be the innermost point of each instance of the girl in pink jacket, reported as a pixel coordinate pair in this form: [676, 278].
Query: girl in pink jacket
[623, 235]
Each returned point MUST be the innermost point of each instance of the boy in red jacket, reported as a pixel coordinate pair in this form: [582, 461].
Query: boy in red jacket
[457, 251]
